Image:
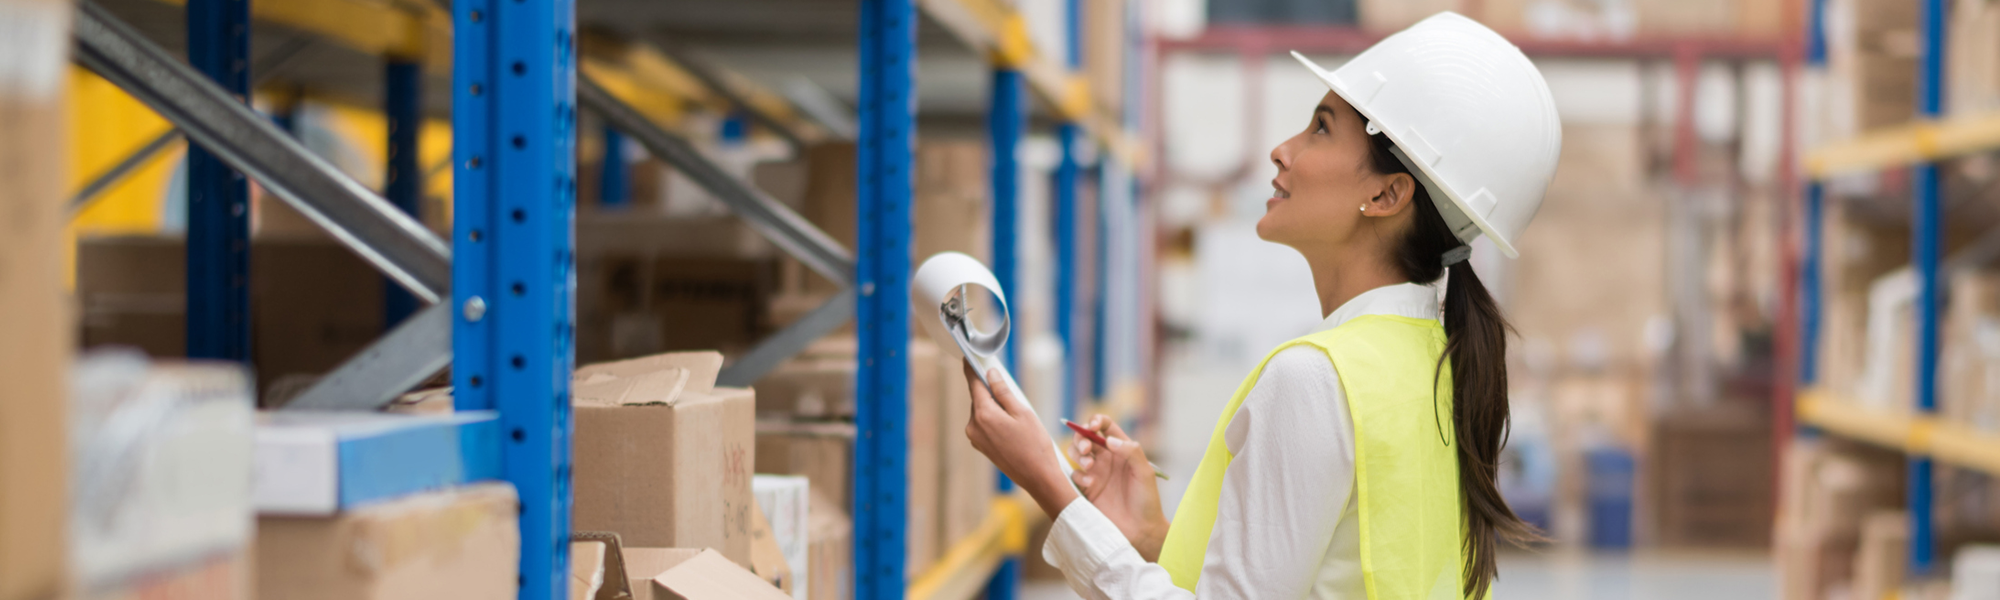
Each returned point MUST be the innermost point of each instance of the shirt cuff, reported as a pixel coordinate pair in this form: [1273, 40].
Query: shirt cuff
[1083, 541]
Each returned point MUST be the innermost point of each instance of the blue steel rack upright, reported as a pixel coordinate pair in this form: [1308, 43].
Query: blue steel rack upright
[513, 281]
[218, 197]
[888, 110]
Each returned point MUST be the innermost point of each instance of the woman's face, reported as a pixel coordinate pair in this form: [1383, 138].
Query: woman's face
[1324, 181]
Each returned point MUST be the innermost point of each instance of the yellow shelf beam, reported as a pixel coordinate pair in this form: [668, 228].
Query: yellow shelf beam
[1949, 443]
[405, 28]
[962, 572]
[1905, 144]
[994, 27]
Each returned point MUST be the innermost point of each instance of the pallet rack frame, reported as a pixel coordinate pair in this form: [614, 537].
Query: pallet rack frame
[1916, 432]
[500, 309]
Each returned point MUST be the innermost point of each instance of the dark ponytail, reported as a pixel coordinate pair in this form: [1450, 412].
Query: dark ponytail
[1476, 345]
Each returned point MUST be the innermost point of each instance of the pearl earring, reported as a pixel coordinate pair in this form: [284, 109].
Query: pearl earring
[1364, 209]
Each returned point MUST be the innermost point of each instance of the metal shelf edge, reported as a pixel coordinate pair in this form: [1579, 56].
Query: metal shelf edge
[1927, 436]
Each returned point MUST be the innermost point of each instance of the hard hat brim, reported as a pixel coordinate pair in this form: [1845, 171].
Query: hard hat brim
[1457, 203]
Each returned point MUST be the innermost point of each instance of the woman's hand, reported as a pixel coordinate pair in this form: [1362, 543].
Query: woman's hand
[1006, 431]
[1120, 483]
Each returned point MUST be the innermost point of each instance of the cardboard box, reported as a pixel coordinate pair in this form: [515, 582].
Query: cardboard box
[586, 569]
[640, 305]
[821, 452]
[831, 556]
[313, 302]
[662, 457]
[767, 558]
[950, 210]
[703, 575]
[785, 501]
[36, 349]
[169, 453]
[1884, 549]
[458, 543]
[225, 577]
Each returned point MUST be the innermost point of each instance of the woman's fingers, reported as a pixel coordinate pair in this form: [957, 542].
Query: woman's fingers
[982, 398]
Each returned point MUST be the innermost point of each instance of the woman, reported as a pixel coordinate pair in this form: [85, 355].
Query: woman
[1358, 461]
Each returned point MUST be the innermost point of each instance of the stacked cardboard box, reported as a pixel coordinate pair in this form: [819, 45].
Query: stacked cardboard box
[1859, 251]
[1712, 477]
[1972, 57]
[949, 487]
[1872, 49]
[313, 302]
[457, 543]
[164, 505]
[1969, 369]
[662, 456]
[1829, 488]
[34, 352]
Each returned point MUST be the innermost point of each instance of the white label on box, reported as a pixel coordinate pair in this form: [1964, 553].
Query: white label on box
[297, 471]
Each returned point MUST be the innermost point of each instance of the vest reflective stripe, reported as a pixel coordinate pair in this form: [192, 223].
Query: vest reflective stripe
[1405, 474]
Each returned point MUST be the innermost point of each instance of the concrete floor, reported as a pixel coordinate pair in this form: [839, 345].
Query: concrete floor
[1560, 575]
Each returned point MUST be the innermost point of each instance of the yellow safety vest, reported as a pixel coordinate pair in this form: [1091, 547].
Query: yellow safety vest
[1405, 476]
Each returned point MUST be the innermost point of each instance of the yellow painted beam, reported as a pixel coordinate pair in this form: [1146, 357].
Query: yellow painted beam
[1949, 443]
[1905, 144]
[994, 27]
[403, 28]
[962, 572]
[662, 106]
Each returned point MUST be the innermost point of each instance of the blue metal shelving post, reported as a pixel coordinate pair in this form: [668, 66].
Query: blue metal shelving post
[1068, 135]
[1006, 119]
[1926, 219]
[1812, 264]
[218, 220]
[513, 281]
[888, 142]
[614, 183]
[403, 180]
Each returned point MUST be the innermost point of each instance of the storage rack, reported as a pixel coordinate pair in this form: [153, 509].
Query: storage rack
[1916, 432]
[499, 310]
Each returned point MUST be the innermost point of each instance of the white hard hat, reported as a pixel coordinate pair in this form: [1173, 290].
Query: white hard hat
[1470, 116]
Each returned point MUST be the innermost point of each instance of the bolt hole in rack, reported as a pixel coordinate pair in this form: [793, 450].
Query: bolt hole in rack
[1917, 149]
[494, 302]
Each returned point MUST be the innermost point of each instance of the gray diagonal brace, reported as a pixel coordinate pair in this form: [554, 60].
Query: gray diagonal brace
[408, 355]
[393, 242]
[118, 171]
[837, 311]
[773, 219]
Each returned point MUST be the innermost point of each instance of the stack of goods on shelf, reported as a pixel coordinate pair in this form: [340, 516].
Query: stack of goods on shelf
[1856, 326]
[1972, 57]
[805, 413]
[1871, 63]
[313, 302]
[662, 458]
[1838, 525]
[160, 485]
[384, 505]
[36, 347]
[1712, 477]
[651, 283]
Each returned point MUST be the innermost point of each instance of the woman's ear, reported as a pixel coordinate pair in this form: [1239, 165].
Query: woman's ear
[1396, 191]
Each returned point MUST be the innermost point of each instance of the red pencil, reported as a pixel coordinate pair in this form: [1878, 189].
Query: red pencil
[1098, 438]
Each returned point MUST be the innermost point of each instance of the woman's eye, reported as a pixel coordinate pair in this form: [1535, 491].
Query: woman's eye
[1319, 126]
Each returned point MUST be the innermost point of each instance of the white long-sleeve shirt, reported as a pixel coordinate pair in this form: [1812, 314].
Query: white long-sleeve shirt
[1286, 524]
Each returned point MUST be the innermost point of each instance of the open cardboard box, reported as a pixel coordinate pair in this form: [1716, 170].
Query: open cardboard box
[663, 457]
